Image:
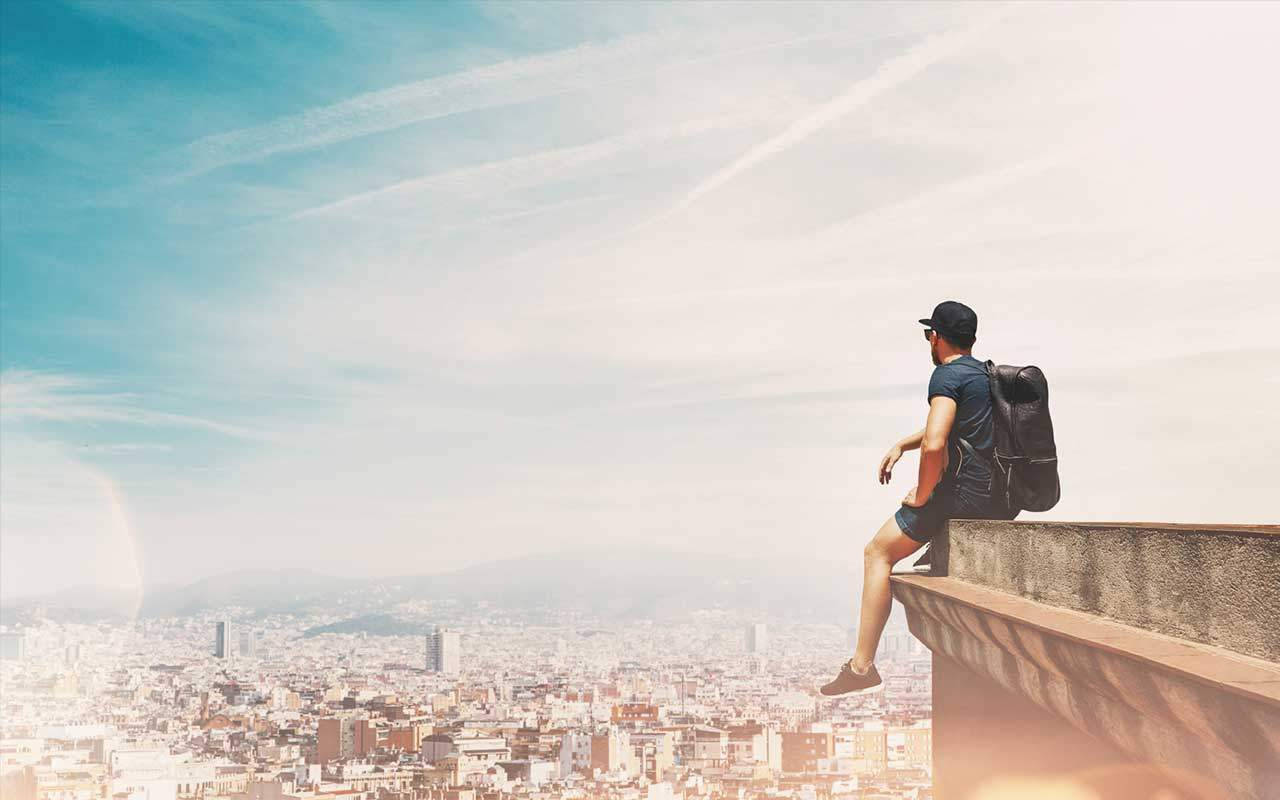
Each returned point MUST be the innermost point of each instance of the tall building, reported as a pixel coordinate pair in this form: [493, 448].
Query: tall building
[222, 639]
[757, 638]
[444, 651]
[335, 738]
[248, 643]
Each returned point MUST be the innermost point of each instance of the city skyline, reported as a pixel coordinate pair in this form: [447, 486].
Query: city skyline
[571, 705]
[355, 287]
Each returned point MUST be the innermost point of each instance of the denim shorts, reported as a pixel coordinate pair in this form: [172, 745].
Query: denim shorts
[948, 502]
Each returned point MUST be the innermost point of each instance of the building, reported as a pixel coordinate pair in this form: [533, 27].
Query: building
[918, 745]
[437, 746]
[792, 708]
[345, 737]
[755, 744]
[13, 646]
[248, 643]
[609, 752]
[222, 639]
[899, 645]
[575, 754]
[802, 750]
[757, 638]
[635, 714]
[77, 782]
[710, 747]
[869, 749]
[464, 758]
[407, 736]
[654, 752]
[444, 651]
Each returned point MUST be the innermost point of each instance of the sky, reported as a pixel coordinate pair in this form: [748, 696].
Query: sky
[391, 288]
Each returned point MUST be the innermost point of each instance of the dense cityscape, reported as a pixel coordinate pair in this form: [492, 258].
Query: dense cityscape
[480, 705]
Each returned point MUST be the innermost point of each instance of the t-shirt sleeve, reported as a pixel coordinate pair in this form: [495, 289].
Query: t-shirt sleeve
[943, 383]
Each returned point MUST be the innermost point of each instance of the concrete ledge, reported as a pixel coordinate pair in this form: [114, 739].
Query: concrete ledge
[1215, 585]
[1151, 697]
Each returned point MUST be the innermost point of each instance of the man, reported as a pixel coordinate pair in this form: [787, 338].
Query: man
[954, 479]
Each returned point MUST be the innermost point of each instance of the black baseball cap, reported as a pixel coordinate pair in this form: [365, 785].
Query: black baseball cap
[951, 318]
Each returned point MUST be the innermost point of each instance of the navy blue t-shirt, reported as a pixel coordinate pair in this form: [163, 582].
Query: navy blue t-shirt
[964, 380]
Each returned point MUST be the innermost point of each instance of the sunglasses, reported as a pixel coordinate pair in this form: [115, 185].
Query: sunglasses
[927, 333]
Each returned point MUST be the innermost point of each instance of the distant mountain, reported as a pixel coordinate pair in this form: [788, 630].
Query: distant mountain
[627, 585]
[269, 591]
[81, 604]
[617, 585]
[372, 624]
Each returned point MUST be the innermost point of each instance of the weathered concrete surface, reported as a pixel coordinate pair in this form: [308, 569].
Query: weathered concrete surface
[1145, 697]
[1217, 585]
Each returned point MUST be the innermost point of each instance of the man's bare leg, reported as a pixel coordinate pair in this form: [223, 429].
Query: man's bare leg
[889, 546]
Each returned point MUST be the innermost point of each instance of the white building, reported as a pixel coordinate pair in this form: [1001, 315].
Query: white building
[444, 651]
[710, 746]
[609, 752]
[575, 753]
[248, 643]
[757, 638]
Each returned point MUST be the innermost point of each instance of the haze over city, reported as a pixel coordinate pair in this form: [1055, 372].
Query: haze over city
[393, 289]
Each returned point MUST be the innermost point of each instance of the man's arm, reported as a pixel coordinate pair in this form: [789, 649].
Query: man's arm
[890, 458]
[933, 449]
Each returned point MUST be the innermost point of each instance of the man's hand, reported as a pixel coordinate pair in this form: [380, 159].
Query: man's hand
[910, 499]
[886, 463]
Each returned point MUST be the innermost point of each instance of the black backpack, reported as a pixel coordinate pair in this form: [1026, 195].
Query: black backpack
[1025, 458]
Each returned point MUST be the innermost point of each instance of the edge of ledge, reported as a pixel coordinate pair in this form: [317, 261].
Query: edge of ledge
[1251, 677]
[1258, 529]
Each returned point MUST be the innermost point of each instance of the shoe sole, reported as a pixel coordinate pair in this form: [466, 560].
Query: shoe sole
[877, 688]
[921, 570]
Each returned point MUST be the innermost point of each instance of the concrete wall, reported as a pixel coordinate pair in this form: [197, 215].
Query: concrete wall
[1128, 655]
[1214, 585]
[1158, 700]
[983, 733]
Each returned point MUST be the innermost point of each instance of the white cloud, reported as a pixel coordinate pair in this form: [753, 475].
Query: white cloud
[887, 77]
[497, 356]
[57, 397]
[590, 66]
[513, 173]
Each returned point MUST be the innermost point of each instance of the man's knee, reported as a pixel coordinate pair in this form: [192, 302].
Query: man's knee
[889, 545]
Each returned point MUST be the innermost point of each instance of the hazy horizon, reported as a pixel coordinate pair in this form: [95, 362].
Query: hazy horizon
[397, 288]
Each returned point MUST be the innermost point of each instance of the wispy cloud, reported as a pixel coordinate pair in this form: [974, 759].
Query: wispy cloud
[891, 74]
[57, 397]
[511, 81]
[517, 80]
[546, 165]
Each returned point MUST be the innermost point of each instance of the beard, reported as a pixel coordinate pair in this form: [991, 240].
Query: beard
[933, 353]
